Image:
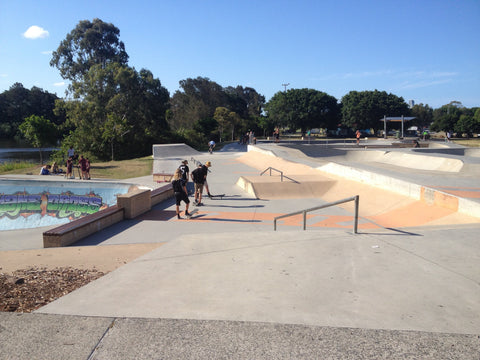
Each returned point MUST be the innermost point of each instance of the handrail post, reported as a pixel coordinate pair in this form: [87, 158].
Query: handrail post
[281, 176]
[304, 220]
[355, 224]
[274, 224]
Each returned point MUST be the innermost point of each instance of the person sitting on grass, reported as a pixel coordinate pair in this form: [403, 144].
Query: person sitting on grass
[45, 170]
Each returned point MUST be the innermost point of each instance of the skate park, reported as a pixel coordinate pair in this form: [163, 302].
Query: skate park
[226, 283]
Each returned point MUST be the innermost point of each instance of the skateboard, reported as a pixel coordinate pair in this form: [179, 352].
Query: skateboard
[189, 216]
[216, 196]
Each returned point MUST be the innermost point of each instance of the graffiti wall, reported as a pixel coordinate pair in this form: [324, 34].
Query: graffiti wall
[30, 203]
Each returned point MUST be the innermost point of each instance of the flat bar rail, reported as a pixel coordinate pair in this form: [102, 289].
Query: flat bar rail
[270, 168]
[355, 198]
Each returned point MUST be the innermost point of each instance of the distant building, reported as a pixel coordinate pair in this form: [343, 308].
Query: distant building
[411, 103]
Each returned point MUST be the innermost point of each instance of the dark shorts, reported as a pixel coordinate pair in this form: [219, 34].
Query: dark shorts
[179, 196]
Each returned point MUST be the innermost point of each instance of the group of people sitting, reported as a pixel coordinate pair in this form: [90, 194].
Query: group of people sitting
[82, 163]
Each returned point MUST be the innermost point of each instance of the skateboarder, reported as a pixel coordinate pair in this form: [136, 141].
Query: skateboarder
[180, 193]
[199, 177]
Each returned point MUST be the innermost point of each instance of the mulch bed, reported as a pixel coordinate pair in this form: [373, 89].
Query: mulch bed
[29, 289]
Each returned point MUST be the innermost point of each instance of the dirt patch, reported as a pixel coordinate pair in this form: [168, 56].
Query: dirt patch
[30, 279]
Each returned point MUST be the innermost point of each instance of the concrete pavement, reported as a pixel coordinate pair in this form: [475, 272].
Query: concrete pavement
[224, 285]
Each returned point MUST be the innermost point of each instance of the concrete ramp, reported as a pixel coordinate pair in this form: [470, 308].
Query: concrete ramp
[269, 187]
[168, 157]
[173, 150]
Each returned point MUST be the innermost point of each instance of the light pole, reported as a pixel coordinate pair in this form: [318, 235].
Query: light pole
[285, 86]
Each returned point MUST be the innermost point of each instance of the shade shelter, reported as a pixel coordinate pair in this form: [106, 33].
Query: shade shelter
[401, 119]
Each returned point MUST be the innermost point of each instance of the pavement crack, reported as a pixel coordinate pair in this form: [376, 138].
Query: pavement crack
[97, 346]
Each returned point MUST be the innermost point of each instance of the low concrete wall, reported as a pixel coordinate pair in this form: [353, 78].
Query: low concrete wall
[70, 233]
[128, 206]
[161, 194]
[135, 202]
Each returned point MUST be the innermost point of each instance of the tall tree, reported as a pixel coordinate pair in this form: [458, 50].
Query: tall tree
[117, 105]
[363, 110]
[90, 43]
[303, 109]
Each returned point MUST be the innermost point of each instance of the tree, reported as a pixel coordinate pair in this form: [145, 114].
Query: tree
[226, 120]
[39, 132]
[446, 117]
[18, 102]
[303, 109]
[423, 115]
[117, 105]
[363, 110]
[90, 43]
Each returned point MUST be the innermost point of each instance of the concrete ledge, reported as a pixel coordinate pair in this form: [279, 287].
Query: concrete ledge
[71, 232]
[161, 194]
[135, 202]
[162, 177]
[128, 206]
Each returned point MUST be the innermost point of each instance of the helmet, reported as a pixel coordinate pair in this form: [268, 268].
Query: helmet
[208, 164]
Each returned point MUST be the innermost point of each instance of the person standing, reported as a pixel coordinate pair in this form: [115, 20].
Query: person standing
[358, 134]
[199, 177]
[82, 163]
[87, 172]
[180, 194]
[185, 173]
[69, 174]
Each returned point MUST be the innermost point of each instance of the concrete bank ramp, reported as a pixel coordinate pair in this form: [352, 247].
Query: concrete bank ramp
[421, 160]
[173, 150]
[296, 187]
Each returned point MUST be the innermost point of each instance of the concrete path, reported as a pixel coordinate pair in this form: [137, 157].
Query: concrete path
[224, 285]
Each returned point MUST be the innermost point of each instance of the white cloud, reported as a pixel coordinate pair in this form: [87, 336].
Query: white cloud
[35, 32]
[48, 52]
[61, 83]
[3, 75]
[423, 84]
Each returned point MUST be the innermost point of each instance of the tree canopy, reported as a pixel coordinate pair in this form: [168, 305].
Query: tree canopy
[363, 110]
[303, 109]
[89, 44]
[17, 103]
[39, 132]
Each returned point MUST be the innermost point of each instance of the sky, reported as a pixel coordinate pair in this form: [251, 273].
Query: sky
[427, 51]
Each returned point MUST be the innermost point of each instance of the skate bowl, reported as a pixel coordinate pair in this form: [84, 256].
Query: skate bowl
[36, 203]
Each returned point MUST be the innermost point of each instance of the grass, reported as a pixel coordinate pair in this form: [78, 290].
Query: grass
[124, 169]
[468, 142]
[15, 167]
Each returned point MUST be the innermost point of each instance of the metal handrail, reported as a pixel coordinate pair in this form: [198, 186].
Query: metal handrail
[271, 168]
[304, 212]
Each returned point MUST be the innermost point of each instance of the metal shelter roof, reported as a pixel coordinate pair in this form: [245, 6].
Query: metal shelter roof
[398, 118]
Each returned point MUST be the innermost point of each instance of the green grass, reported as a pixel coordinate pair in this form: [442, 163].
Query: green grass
[16, 167]
[124, 169]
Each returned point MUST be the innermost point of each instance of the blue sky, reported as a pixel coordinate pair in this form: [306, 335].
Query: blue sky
[424, 50]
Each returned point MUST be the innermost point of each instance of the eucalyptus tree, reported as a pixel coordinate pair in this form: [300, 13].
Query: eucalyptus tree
[90, 43]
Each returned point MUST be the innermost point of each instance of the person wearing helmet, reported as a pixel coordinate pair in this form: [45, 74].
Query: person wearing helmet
[199, 177]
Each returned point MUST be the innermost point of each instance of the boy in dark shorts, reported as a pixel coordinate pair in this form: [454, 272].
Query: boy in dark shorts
[180, 194]
[199, 177]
